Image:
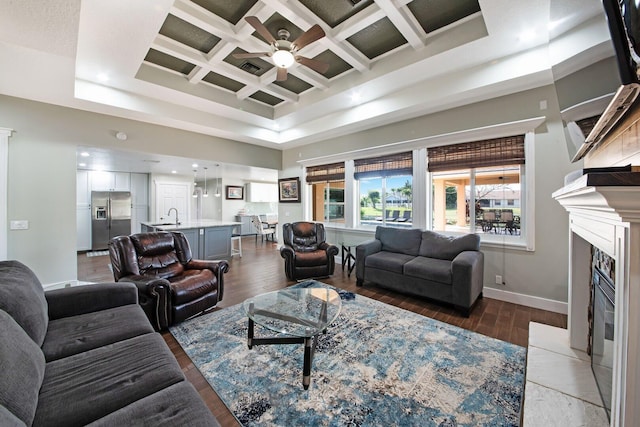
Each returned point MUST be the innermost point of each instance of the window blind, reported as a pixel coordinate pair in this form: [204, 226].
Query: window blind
[326, 173]
[391, 165]
[491, 152]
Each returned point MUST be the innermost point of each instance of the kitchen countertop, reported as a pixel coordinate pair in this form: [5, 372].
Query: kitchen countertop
[185, 225]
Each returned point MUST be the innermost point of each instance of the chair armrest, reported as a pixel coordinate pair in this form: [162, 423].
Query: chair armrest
[287, 252]
[154, 296]
[89, 298]
[218, 267]
[363, 250]
[332, 250]
[468, 277]
[201, 264]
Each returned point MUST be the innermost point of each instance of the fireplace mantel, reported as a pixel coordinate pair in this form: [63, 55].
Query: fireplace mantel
[604, 211]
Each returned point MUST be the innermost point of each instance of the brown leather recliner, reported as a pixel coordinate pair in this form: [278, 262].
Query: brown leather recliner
[172, 286]
[306, 253]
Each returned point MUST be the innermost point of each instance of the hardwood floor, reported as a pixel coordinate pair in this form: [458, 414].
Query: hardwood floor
[261, 269]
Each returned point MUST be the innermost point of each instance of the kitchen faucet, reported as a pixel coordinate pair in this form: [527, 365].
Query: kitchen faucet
[169, 213]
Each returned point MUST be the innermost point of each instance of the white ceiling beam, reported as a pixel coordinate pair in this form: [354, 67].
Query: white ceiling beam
[399, 18]
[202, 18]
[358, 22]
[311, 77]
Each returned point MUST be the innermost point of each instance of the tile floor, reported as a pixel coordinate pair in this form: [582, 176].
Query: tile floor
[560, 389]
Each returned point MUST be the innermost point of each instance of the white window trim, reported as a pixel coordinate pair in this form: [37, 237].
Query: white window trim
[5, 134]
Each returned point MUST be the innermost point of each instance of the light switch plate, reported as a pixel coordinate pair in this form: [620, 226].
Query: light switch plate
[22, 224]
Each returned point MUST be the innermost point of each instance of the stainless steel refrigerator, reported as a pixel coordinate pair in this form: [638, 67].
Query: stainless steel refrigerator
[110, 216]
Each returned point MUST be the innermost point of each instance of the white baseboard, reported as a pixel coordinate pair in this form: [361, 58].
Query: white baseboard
[528, 300]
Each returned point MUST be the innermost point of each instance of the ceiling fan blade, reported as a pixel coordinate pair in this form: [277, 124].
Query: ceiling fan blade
[261, 29]
[282, 74]
[251, 55]
[314, 33]
[314, 64]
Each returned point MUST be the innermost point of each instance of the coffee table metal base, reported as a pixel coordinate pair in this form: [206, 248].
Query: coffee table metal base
[309, 349]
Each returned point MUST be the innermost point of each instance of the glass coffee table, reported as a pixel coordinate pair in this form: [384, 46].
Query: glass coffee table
[301, 313]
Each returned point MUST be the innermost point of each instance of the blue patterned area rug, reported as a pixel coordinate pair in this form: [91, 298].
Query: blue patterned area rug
[378, 365]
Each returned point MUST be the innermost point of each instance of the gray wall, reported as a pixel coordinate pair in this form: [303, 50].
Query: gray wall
[42, 172]
[542, 273]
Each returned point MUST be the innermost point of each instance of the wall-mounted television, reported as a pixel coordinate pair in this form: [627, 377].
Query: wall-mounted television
[624, 25]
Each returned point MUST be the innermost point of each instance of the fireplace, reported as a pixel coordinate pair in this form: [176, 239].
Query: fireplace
[602, 328]
[604, 212]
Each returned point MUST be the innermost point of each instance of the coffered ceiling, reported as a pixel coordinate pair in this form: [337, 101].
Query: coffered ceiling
[172, 62]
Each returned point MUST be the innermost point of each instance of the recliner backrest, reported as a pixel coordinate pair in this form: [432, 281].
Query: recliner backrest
[161, 254]
[304, 236]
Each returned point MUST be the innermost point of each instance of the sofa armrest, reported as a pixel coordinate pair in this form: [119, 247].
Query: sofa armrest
[89, 298]
[468, 277]
[363, 250]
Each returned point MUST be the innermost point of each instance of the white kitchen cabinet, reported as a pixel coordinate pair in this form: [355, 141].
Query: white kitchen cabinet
[110, 181]
[83, 228]
[139, 189]
[139, 214]
[83, 194]
[262, 192]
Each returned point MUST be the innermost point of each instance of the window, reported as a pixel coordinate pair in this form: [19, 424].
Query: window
[472, 183]
[327, 189]
[384, 186]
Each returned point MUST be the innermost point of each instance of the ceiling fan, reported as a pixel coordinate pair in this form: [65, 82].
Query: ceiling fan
[284, 52]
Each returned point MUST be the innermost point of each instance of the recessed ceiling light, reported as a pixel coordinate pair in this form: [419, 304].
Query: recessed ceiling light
[195, 165]
[174, 171]
[103, 77]
[84, 154]
[356, 97]
[82, 165]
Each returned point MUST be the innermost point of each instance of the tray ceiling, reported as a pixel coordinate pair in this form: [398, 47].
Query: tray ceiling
[171, 62]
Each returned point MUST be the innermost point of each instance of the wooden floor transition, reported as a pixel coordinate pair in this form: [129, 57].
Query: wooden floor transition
[261, 269]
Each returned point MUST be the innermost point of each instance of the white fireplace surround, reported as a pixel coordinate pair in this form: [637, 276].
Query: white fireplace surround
[608, 217]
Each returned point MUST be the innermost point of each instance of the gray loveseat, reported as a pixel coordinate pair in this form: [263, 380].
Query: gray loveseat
[424, 263]
[86, 355]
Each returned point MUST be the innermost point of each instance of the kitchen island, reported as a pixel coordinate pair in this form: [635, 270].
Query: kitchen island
[208, 238]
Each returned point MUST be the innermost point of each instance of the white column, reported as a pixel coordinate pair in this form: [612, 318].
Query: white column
[4, 179]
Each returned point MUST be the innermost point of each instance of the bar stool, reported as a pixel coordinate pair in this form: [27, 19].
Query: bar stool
[236, 249]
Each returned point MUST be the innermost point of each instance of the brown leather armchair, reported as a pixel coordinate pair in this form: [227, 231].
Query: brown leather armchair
[172, 286]
[306, 253]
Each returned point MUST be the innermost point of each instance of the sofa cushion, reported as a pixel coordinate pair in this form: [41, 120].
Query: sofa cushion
[84, 387]
[75, 334]
[7, 419]
[21, 370]
[177, 405]
[404, 241]
[388, 261]
[436, 245]
[435, 270]
[22, 297]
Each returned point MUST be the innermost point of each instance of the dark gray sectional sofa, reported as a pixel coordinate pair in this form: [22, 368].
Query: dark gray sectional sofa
[424, 263]
[86, 355]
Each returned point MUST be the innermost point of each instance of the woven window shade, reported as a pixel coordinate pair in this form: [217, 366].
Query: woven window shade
[392, 165]
[491, 152]
[326, 173]
[586, 125]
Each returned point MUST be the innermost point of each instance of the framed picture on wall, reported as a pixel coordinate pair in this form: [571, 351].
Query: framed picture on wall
[289, 190]
[234, 192]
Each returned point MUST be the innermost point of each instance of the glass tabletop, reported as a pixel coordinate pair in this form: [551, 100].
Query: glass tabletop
[301, 312]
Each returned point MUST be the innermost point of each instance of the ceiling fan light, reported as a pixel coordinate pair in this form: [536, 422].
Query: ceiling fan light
[283, 58]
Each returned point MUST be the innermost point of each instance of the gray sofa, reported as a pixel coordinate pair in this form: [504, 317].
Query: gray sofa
[86, 355]
[425, 264]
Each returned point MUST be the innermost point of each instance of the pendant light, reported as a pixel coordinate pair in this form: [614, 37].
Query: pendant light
[205, 193]
[217, 186]
[195, 184]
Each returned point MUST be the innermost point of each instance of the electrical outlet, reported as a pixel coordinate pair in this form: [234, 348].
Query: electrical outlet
[499, 280]
[21, 224]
